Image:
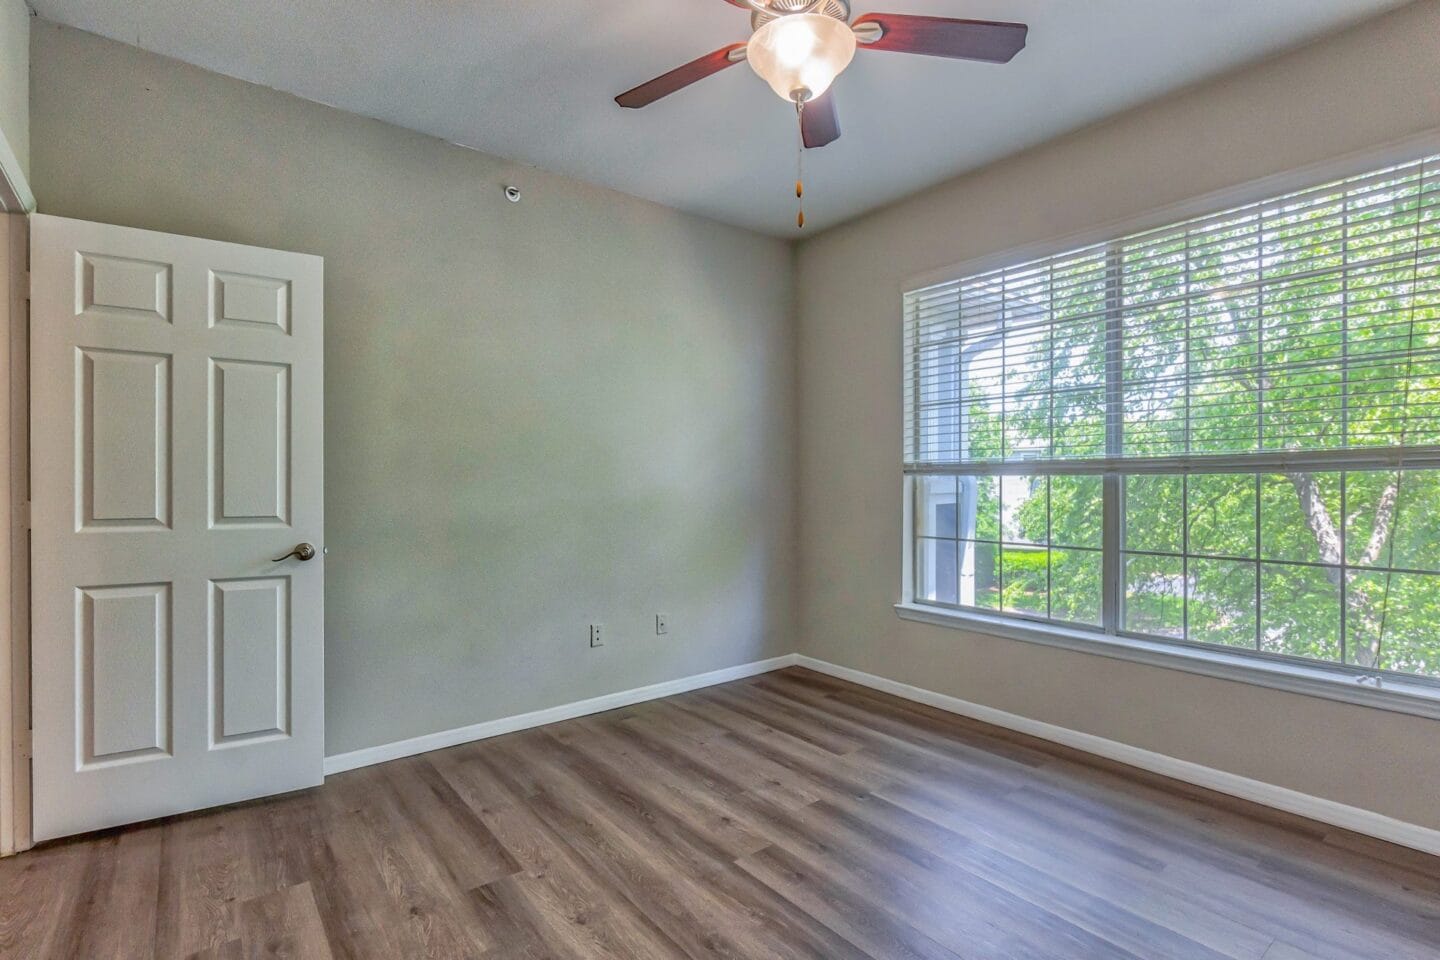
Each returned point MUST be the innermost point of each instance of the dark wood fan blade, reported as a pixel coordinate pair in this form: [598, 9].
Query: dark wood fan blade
[819, 123]
[667, 83]
[943, 37]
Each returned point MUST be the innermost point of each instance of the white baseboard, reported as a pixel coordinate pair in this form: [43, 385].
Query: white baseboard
[1336, 814]
[341, 762]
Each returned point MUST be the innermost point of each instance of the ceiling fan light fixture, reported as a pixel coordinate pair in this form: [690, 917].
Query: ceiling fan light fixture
[801, 54]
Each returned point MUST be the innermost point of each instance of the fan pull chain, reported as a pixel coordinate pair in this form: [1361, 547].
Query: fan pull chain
[800, 165]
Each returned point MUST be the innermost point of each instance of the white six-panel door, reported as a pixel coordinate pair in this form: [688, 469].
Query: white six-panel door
[176, 451]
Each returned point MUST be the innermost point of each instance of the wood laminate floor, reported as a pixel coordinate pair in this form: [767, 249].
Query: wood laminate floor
[788, 816]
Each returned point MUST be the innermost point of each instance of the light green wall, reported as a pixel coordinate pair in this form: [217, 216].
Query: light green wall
[574, 408]
[1377, 83]
[15, 80]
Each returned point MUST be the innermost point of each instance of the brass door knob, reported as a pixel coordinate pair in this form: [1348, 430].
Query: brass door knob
[302, 551]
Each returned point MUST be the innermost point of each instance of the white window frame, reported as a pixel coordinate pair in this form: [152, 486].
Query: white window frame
[1388, 691]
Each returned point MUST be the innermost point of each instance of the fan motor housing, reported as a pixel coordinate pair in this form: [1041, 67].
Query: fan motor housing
[839, 9]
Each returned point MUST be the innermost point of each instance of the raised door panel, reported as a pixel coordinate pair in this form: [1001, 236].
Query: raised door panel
[257, 303]
[123, 648]
[121, 288]
[250, 657]
[123, 426]
[250, 443]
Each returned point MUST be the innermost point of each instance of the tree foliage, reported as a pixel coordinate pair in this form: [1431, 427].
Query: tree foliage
[1303, 326]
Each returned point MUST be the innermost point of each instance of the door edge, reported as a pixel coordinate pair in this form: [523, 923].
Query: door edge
[15, 795]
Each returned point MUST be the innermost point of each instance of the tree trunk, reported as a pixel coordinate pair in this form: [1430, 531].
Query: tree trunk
[1365, 643]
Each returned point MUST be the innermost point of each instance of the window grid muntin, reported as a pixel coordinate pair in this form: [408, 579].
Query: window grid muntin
[1348, 570]
[1263, 559]
[1001, 544]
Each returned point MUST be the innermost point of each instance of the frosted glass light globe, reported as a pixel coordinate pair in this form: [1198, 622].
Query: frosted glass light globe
[800, 55]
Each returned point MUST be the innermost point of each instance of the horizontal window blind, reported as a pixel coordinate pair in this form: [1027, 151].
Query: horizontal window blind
[1307, 324]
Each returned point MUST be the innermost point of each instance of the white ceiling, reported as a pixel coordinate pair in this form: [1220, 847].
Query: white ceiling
[533, 81]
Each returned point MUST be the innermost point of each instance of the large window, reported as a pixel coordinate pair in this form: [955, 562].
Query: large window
[1222, 433]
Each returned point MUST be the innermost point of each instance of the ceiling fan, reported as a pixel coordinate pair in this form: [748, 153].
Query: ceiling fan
[799, 47]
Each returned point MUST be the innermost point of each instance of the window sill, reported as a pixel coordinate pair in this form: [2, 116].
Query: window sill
[1395, 695]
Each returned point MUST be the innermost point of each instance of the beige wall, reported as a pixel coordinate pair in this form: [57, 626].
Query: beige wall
[15, 80]
[1375, 84]
[574, 408]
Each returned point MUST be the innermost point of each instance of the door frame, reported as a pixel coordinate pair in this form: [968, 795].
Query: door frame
[15, 193]
[15, 750]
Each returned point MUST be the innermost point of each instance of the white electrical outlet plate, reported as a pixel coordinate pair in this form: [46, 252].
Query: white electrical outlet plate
[597, 635]
[662, 624]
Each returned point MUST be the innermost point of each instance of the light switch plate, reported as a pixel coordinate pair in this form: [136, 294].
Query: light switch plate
[662, 624]
[597, 635]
